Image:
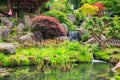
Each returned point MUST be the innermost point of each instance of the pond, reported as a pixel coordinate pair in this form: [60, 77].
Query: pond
[83, 71]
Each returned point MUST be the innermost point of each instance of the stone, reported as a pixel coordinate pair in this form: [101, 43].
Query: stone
[38, 36]
[61, 38]
[4, 20]
[20, 28]
[28, 21]
[113, 42]
[10, 25]
[1, 15]
[71, 17]
[27, 40]
[90, 41]
[7, 22]
[65, 27]
[116, 67]
[82, 31]
[103, 37]
[4, 32]
[7, 48]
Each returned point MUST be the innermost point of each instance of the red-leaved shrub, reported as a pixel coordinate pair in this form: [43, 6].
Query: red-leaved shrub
[48, 26]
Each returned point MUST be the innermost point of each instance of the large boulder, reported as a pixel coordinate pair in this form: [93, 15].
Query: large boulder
[7, 22]
[27, 39]
[117, 66]
[91, 41]
[20, 28]
[7, 48]
[4, 31]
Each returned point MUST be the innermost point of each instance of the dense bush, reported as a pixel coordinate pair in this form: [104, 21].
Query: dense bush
[61, 17]
[48, 26]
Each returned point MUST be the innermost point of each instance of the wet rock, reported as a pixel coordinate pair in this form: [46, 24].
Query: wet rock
[27, 40]
[65, 27]
[4, 31]
[20, 28]
[28, 21]
[7, 48]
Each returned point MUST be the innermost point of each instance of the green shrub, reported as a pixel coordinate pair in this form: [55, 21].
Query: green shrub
[95, 48]
[85, 37]
[61, 17]
[25, 61]
[11, 61]
[84, 54]
[61, 5]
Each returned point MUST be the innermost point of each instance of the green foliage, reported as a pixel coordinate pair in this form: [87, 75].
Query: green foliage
[117, 76]
[61, 5]
[111, 5]
[78, 16]
[88, 10]
[89, 1]
[11, 61]
[114, 30]
[15, 60]
[85, 37]
[85, 55]
[95, 48]
[62, 55]
[2, 57]
[61, 17]
[106, 26]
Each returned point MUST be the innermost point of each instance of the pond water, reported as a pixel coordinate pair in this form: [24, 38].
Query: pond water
[83, 71]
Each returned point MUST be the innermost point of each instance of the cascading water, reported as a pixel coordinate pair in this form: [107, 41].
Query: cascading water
[96, 61]
[74, 36]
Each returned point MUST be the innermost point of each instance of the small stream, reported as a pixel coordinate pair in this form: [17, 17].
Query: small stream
[83, 71]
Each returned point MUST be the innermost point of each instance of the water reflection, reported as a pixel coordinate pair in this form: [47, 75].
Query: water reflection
[83, 71]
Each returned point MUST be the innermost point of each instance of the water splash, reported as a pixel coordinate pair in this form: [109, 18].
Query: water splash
[96, 61]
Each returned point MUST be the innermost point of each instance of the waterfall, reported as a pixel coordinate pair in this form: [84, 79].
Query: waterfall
[74, 35]
[96, 61]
